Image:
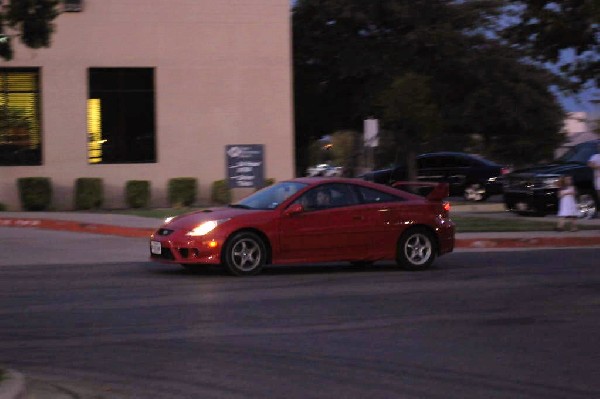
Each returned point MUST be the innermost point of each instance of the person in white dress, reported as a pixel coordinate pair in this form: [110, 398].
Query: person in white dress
[567, 206]
[594, 163]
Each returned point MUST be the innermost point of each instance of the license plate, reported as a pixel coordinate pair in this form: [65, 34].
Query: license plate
[521, 206]
[155, 247]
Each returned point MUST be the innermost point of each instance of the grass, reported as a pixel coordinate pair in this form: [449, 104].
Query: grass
[471, 224]
[481, 223]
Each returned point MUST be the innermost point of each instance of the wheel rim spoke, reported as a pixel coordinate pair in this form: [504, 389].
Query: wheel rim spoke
[246, 255]
[418, 249]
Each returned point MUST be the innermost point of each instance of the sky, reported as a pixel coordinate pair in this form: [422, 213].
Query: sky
[582, 102]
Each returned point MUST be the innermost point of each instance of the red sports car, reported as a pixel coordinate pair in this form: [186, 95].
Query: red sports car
[308, 220]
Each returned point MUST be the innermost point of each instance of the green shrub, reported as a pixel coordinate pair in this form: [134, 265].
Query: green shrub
[269, 181]
[35, 193]
[3, 207]
[89, 193]
[220, 193]
[182, 191]
[137, 193]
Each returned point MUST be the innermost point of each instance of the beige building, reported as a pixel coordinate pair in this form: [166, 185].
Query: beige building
[148, 90]
[578, 128]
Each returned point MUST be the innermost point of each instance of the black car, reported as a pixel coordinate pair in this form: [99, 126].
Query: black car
[469, 175]
[534, 190]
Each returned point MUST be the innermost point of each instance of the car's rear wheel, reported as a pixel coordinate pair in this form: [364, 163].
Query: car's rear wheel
[587, 205]
[416, 249]
[244, 254]
[474, 192]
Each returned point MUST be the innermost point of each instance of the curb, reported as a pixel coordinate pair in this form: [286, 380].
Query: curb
[533, 242]
[79, 227]
[12, 385]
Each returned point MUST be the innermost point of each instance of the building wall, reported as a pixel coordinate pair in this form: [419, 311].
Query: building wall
[578, 128]
[222, 76]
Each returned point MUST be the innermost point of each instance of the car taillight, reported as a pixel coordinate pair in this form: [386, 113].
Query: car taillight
[446, 208]
[505, 171]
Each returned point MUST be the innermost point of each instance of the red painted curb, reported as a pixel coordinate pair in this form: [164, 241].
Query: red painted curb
[67, 225]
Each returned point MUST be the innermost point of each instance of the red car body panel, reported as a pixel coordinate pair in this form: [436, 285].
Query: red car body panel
[361, 232]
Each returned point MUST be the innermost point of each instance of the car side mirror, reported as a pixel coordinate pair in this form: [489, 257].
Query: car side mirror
[294, 209]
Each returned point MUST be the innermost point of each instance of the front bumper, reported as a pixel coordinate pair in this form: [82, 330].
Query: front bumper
[539, 201]
[204, 251]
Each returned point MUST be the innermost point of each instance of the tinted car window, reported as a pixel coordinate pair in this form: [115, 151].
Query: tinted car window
[460, 162]
[372, 196]
[580, 153]
[270, 197]
[328, 196]
[429, 162]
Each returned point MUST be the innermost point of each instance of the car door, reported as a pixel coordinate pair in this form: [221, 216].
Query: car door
[325, 233]
[430, 169]
[384, 214]
[458, 169]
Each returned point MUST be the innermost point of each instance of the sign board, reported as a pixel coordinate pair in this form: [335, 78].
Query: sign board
[371, 132]
[245, 165]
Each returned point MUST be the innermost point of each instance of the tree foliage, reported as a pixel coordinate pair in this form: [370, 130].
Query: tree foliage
[29, 20]
[548, 30]
[433, 68]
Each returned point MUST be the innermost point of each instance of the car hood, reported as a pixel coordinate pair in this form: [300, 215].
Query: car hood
[549, 169]
[191, 220]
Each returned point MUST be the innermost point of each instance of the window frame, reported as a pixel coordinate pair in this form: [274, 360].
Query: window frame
[36, 134]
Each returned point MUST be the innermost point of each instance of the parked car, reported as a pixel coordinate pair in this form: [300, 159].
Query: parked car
[468, 175]
[325, 170]
[534, 190]
[308, 220]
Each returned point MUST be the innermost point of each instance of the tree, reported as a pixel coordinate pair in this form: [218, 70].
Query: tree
[349, 54]
[409, 110]
[30, 21]
[547, 30]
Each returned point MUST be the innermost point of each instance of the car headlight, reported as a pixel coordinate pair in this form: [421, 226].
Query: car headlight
[205, 228]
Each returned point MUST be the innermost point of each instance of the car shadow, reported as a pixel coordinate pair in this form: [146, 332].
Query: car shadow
[284, 270]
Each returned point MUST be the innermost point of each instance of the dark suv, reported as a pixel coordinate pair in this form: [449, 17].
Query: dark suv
[534, 190]
[469, 175]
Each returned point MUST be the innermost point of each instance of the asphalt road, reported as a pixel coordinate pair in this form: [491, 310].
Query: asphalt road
[479, 325]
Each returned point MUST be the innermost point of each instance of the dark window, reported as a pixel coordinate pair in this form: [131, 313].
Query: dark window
[121, 121]
[371, 196]
[460, 162]
[328, 196]
[429, 162]
[20, 131]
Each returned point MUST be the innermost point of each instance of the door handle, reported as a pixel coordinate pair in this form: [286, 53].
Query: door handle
[357, 217]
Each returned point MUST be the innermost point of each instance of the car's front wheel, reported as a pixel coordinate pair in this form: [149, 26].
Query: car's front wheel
[416, 249]
[244, 254]
[474, 192]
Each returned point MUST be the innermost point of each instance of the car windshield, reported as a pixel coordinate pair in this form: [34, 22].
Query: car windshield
[270, 197]
[579, 154]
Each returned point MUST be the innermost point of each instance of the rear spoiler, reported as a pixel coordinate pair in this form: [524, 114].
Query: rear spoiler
[430, 190]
